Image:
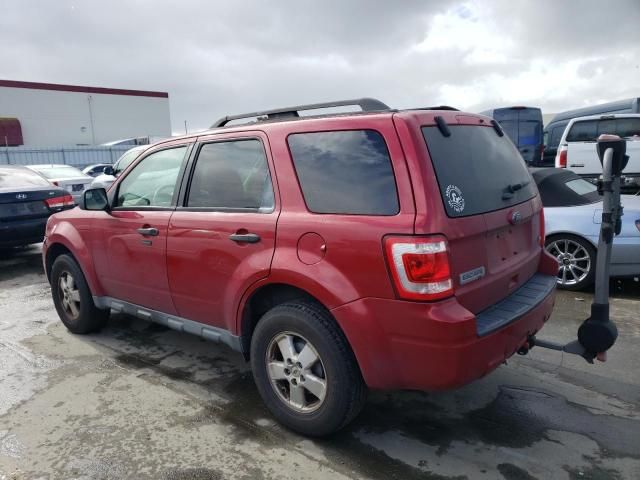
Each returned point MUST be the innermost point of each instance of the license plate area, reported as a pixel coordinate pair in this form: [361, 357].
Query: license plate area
[509, 244]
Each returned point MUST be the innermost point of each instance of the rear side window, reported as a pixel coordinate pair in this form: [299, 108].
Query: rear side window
[345, 172]
[477, 170]
[232, 174]
[628, 127]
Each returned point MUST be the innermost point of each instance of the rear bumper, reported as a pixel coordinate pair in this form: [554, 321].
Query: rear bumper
[22, 232]
[411, 345]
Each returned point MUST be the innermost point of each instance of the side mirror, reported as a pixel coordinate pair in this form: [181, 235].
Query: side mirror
[94, 199]
[108, 170]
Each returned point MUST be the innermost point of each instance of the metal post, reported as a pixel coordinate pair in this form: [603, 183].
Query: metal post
[93, 133]
[6, 149]
[64, 158]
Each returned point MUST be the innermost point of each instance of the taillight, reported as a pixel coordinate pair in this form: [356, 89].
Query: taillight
[561, 158]
[420, 267]
[541, 233]
[60, 202]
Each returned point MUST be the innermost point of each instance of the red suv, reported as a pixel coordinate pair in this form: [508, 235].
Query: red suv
[383, 249]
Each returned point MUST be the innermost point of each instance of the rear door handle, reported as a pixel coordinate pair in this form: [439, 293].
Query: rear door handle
[245, 237]
[148, 231]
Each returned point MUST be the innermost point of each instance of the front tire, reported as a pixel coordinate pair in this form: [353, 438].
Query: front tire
[72, 297]
[305, 370]
[576, 260]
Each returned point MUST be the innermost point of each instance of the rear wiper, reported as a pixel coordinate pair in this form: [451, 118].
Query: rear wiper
[513, 188]
[496, 126]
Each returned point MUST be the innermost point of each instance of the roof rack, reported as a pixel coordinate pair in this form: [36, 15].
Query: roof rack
[439, 107]
[366, 104]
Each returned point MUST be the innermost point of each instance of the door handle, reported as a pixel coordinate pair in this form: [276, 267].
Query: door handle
[148, 231]
[245, 237]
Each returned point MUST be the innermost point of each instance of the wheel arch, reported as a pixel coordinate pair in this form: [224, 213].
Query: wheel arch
[67, 240]
[559, 233]
[266, 297]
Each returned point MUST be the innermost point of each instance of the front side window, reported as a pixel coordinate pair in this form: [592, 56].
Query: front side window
[125, 160]
[556, 135]
[232, 174]
[153, 181]
[345, 172]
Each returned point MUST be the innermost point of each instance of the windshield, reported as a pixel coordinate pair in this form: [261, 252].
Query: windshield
[60, 172]
[478, 171]
[21, 177]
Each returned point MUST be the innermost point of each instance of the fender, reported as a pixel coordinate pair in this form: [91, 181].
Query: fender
[313, 279]
[64, 233]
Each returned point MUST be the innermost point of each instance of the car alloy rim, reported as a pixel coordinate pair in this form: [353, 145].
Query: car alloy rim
[69, 295]
[573, 259]
[296, 372]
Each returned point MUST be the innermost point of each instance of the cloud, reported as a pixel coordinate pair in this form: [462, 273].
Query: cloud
[218, 58]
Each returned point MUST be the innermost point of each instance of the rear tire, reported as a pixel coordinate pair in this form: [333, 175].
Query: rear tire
[305, 370]
[576, 260]
[72, 297]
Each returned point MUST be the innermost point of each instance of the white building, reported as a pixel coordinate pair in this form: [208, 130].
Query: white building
[45, 114]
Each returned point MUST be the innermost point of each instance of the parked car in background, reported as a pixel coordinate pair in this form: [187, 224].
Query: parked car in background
[95, 170]
[555, 128]
[572, 212]
[26, 202]
[320, 250]
[64, 176]
[111, 172]
[523, 125]
[578, 153]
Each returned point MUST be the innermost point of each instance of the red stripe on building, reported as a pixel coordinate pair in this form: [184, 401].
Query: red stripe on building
[81, 89]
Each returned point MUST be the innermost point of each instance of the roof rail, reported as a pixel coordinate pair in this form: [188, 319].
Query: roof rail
[439, 107]
[366, 104]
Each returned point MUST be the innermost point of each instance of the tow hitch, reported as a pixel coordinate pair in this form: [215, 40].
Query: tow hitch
[598, 333]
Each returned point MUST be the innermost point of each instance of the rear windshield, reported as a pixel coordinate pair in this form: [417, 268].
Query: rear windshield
[21, 177]
[590, 130]
[60, 172]
[477, 170]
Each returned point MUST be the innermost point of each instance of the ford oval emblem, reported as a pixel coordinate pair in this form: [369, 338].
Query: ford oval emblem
[515, 218]
[21, 196]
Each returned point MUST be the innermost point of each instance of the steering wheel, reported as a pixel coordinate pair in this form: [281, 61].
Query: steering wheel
[161, 191]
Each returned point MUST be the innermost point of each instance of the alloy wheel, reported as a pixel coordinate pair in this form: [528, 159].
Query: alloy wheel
[296, 372]
[573, 259]
[69, 295]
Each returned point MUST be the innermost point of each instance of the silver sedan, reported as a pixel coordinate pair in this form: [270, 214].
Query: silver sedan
[573, 211]
[65, 176]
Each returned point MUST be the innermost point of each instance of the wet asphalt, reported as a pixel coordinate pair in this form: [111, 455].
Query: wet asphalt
[138, 401]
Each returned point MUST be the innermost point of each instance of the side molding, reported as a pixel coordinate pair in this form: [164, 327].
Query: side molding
[180, 324]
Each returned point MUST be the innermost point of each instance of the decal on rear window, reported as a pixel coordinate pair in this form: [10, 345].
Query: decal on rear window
[455, 198]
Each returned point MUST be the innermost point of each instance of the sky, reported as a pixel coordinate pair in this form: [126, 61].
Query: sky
[218, 58]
